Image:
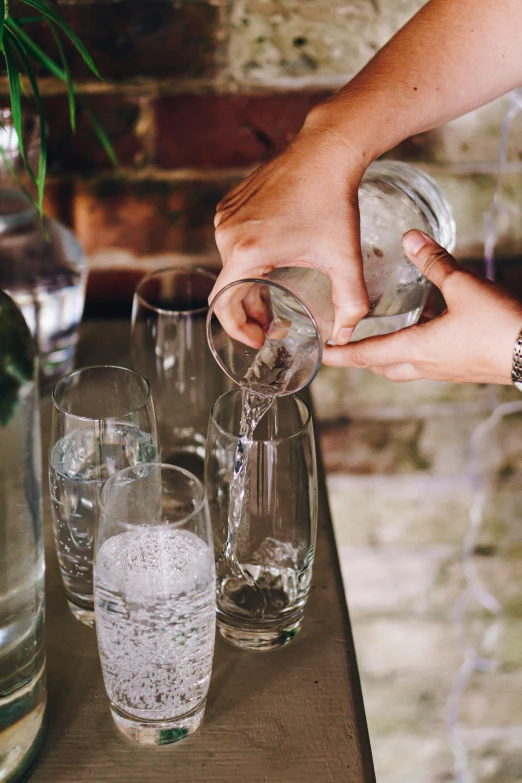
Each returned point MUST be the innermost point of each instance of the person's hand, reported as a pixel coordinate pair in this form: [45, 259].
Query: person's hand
[471, 342]
[300, 209]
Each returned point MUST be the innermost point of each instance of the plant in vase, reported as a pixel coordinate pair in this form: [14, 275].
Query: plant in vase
[23, 58]
[41, 265]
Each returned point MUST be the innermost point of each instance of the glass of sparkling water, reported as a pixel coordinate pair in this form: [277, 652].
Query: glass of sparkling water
[155, 600]
[262, 494]
[103, 420]
[169, 346]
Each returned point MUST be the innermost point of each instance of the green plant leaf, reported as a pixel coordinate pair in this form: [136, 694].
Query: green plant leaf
[29, 19]
[13, 77]
[21, 53]
[17, 357]
[102, 136]
[68, 78]
[35, 51]
[42, 160]
[51, 14]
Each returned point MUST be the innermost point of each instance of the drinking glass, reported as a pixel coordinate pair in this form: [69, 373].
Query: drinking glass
[102, 421]
[155, 599]
[264, 554]
[268, 334]
[169, 346]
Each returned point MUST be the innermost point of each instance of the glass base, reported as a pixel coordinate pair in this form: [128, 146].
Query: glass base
[262, 639]
[22, 725]
[83, 614]
[157, 732]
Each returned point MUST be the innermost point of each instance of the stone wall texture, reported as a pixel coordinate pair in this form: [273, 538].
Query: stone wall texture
[197, 93]
[405, 495]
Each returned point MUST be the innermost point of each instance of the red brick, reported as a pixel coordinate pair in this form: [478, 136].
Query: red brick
[220, 131]
[58, 200]
[151, 38]
[110, 287]
[82, 152]
[147, 217]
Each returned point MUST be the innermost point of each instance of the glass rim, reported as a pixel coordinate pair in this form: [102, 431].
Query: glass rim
[69, 375]
[263, 281]
[199, 270]
[301, 431]
[162, 466]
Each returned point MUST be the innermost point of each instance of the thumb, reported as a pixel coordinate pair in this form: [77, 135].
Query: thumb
[350, 298]
[431, 259]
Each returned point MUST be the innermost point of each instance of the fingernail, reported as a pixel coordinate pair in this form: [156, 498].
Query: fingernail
[414, 241]
[343, 336]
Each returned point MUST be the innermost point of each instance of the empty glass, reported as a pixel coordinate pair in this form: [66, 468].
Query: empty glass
[103, 420]
[155, 601]
[169, 346]
[264, 553]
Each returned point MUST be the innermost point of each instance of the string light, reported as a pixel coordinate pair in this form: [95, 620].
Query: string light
[477, 654]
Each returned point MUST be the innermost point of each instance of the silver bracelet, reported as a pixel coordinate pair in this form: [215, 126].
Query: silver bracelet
[516, 371]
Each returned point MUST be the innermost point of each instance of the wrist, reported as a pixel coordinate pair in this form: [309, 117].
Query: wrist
[355, 125]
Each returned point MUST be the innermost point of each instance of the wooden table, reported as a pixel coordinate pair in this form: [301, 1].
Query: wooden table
[294, 715]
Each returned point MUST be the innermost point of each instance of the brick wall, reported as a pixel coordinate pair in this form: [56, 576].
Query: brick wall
[198, 93]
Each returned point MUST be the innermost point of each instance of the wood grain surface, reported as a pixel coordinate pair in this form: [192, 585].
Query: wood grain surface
[294, 715]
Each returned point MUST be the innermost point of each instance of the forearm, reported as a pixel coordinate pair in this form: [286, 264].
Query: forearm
[453, 56]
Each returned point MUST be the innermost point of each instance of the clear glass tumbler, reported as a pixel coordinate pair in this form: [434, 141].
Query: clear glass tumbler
[169, 346]
[103, 421]
[155, 601]
[264, 559]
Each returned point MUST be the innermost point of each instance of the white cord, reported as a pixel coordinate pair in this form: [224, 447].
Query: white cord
[476, 654]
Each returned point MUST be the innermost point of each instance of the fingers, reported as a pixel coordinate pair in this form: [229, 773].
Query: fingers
[369, 354]
[397, 348]
[398, 373]
[350, 299]
[242, 314]
[431, 259]
[349, 293]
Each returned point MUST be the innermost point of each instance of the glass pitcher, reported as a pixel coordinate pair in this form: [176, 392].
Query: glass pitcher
[290, 313]
[45, 273]
[22, 652]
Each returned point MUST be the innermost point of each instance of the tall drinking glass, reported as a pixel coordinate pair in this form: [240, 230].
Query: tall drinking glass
[264, 525]
[169, 346]
[155, 601]
[103, 420]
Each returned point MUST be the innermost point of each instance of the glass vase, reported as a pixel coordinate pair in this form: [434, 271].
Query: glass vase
[22, 651]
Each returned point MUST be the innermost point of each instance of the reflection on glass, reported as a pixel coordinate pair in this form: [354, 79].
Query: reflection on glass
[103, 420]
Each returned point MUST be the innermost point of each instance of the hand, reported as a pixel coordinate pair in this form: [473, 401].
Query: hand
[301, 209]
[471, 342]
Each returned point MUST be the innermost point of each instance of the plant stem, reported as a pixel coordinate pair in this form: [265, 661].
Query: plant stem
[6, 9]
